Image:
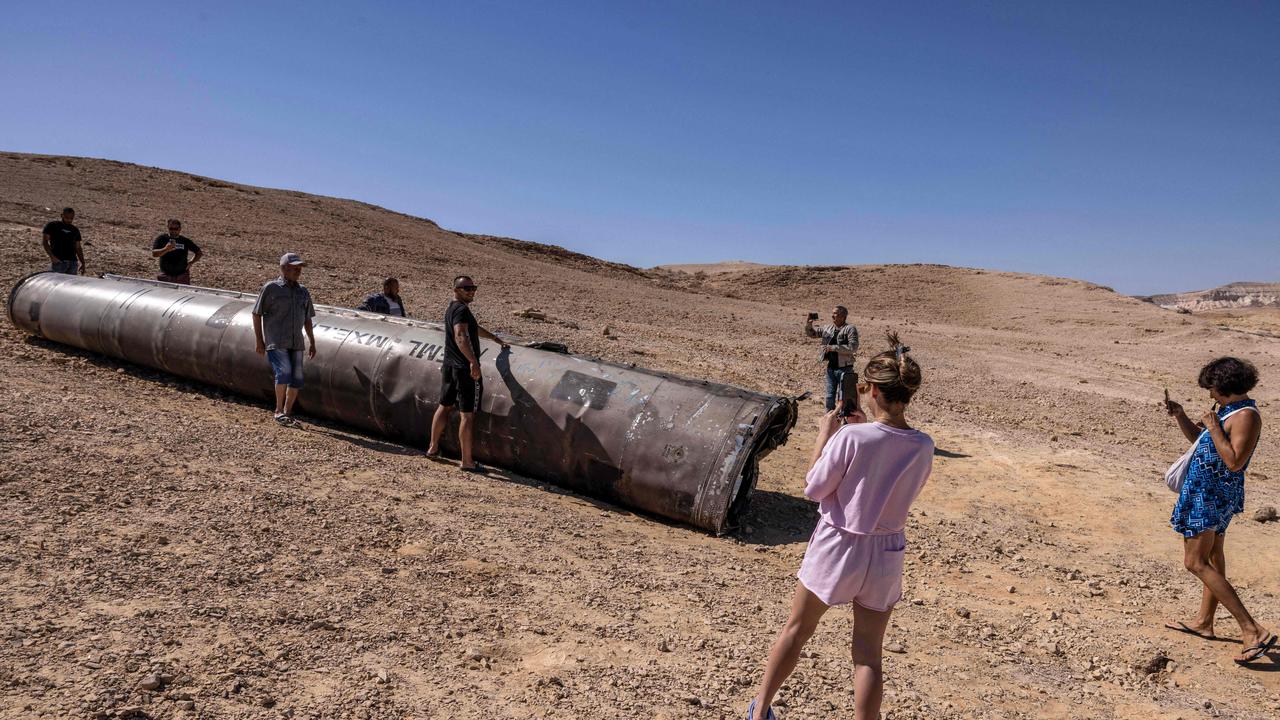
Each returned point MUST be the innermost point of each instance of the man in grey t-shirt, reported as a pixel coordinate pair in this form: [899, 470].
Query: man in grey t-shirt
[284, 309]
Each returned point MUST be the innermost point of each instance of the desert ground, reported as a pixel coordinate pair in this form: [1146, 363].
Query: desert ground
[167, 551]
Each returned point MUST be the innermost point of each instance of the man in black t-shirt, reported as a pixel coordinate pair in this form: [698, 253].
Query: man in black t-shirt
[62, 244]
[174, 252]
[462, 382]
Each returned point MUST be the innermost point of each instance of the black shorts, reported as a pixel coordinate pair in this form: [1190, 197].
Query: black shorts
[459, 389]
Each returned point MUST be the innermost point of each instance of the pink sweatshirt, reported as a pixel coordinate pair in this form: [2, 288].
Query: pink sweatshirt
[868, 476]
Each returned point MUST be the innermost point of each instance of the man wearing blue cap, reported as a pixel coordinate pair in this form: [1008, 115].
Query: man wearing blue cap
[284, 309]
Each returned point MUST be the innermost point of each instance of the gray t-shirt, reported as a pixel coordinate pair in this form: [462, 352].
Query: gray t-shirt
[284, 308]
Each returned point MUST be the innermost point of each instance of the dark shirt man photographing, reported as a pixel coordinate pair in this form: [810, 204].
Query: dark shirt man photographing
[173, 250]
[461, 383]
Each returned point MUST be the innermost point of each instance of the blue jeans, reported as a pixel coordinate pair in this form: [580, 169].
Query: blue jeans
[835, 376]
[287, 366]
[66, 267]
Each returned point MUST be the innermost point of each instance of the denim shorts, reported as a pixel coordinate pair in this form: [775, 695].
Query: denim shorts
[66, 267]
[287, 366]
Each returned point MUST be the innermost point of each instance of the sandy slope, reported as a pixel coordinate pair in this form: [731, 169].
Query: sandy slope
[154, 525]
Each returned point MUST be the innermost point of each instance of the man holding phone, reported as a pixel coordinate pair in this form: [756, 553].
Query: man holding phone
[839, 348]
[175, 253]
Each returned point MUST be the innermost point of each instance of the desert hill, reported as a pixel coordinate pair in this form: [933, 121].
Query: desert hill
[154, 526]
[1230, 296]
[711, 268]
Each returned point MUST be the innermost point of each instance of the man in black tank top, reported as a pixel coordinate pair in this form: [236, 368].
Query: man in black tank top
[462, 382]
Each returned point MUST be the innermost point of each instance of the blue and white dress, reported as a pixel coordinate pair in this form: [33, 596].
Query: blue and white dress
[1211, 493]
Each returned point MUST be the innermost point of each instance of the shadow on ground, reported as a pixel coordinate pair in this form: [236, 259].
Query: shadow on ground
[776, 518]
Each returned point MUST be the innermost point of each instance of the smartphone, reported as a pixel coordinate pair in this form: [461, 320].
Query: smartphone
[813, 316]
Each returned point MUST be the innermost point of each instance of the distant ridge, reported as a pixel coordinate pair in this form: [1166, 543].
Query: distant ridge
[714, 268]
[1233, 295]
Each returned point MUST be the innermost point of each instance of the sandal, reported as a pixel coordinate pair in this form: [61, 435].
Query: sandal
[1185, 628]
[1254, 652]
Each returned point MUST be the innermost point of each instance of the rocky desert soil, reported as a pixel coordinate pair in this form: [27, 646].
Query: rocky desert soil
[167, 551]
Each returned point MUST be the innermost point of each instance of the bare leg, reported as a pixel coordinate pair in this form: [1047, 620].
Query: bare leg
[1196, 554]
[806, 611]
[280, 389]
[464, 438]
[868, 678]
[1203, 622]
[438, 421]
[290, 397]
[1209, 603]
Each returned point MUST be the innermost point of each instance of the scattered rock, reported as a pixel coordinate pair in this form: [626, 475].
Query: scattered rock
[963, 612]
[1154, 664]
[1266, 513]
[895, 647]
[150, 681]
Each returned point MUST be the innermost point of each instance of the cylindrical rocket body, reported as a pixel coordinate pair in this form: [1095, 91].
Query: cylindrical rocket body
[680, 448]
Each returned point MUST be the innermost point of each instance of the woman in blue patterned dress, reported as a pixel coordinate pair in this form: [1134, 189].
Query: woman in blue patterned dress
[1214, 491]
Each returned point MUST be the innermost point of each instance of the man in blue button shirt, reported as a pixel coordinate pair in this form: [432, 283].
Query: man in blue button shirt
[284, 309]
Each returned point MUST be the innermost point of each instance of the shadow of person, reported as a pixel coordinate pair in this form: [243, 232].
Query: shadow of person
[775, 518]
[529, 438]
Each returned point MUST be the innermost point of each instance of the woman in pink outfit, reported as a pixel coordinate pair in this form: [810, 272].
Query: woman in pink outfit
[864, 476]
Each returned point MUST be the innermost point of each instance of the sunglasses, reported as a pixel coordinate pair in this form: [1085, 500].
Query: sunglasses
[468, 288]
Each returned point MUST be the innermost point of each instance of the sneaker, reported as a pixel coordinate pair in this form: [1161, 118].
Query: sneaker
[751, 712]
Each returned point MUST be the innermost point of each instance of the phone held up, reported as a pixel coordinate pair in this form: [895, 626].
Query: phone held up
[813, 316]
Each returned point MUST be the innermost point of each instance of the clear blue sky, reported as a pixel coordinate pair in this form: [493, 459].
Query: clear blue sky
[1129, 143]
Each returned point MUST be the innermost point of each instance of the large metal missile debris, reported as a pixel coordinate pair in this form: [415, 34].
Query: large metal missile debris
[680, 448]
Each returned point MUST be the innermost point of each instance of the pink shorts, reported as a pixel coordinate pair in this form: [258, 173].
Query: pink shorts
[842, 567]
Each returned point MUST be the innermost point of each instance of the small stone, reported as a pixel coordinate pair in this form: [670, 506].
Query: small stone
[1013, 589]
[963, 612]
[1266, 513]
[186, 705]
[895, 647]
[473, 654]
[150, 682]
[384, 677]
[663, 646]
[1154, 664]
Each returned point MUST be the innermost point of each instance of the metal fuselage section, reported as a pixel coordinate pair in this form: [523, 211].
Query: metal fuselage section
[680, 448]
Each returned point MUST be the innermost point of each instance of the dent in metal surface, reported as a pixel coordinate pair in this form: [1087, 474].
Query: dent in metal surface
[684, 449]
